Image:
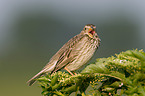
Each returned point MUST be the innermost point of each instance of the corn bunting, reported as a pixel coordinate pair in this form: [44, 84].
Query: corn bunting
[73, 54]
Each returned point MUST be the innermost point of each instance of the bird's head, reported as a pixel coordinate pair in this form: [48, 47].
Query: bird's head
[89, 29]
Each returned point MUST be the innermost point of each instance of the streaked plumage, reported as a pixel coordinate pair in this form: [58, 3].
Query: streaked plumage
[74, 54]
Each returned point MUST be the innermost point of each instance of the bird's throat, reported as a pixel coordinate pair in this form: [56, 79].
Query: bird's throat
[90, 35]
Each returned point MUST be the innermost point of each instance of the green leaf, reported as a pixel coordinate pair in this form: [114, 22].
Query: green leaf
[141, 90]
[138, 55]
[73, 88]
[116, 84]
[43, 79]
[108, 89]
[56, 86]
[54, 79]
[99, 67]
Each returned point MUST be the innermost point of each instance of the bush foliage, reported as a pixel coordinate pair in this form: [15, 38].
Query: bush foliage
[122, 74]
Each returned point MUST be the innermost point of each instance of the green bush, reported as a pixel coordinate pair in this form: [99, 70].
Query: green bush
[122, 74]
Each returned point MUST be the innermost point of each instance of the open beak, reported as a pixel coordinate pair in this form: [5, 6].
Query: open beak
[91, 30]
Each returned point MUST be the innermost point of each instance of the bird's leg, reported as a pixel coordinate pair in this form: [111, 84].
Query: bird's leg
[75, 73]
[68, 71]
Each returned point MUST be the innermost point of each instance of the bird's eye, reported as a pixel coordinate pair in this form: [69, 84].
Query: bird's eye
[85, 28]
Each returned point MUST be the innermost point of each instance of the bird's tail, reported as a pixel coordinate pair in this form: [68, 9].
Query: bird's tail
[47, 68]
[33, 79]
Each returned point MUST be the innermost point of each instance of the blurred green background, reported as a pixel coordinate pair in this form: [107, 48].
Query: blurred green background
[31, 31]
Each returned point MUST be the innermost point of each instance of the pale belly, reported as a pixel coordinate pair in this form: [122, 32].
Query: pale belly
[85, 52]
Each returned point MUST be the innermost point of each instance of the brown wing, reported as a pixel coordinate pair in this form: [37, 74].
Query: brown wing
[63, 55]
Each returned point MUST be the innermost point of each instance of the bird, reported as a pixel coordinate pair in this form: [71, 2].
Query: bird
[73, 54]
